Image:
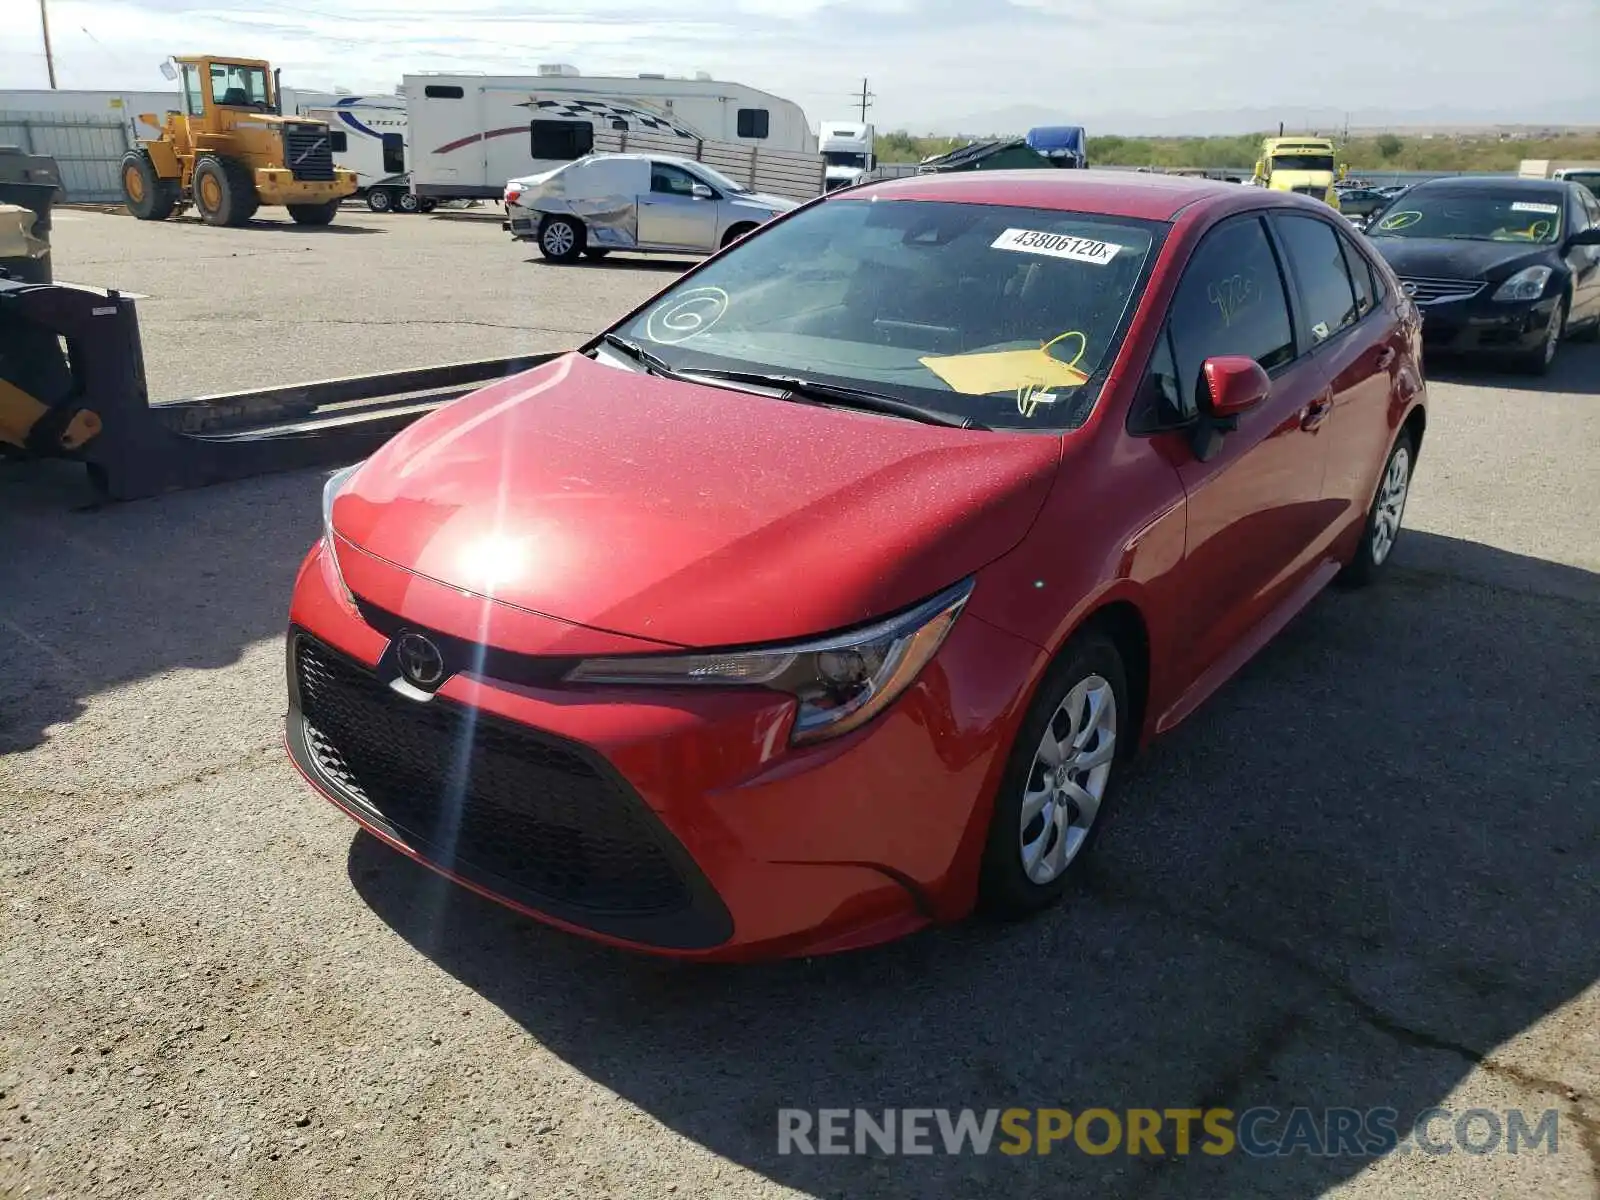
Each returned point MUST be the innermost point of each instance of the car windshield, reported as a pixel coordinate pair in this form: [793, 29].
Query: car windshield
[716, 178]
[844, 158]
[1003, 315]
[1503, 216]
[1302, 162]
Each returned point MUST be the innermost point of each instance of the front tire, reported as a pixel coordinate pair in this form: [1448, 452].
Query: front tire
[1541, 360]
[408, 202]
[561, 239]
[1384, 517]
[224, 192]
[1052, 799]
[380, 200]
[314, 214]
[737, 232]
[147, 195]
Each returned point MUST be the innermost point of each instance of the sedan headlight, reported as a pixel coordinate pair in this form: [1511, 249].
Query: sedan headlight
[330, 492]
[1526, 284]
[840, 683]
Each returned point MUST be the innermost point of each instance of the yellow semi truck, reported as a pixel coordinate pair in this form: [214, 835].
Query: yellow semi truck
[230, 151]
[1300, 164]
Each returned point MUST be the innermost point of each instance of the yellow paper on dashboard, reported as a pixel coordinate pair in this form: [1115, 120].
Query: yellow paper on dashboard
[1003, 371]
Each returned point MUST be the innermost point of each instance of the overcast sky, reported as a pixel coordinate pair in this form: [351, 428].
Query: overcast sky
[931, 62]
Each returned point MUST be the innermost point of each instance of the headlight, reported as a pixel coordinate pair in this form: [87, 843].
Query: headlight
[1526, 284]
[330, 492]
[841, 682]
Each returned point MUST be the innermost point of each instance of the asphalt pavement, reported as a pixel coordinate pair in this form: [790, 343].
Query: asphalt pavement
[1366, 875]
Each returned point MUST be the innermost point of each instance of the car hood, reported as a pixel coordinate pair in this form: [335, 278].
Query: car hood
[689, 514]
[765, 200]
[1454, 258]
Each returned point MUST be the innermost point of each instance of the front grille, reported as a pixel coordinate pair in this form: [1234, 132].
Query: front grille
[1432, 291]
[307, 152]
[494, 802]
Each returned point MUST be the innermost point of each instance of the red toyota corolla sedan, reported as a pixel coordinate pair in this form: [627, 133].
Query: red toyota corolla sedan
[824, 596]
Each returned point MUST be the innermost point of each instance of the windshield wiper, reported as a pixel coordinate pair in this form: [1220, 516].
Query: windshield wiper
[793, 385]
[847, 397]
[640, 355]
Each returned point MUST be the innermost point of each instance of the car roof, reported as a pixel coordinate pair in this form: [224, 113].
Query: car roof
[1473, 183]
[1138, 194]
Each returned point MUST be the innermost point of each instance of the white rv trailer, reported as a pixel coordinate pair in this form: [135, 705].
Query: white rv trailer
[471, 133]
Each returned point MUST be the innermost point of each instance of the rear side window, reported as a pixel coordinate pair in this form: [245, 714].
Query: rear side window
[1230, 301]
[1360, 277]
[442, 91]
[1326, 294]
[561, 141]
[754, 122]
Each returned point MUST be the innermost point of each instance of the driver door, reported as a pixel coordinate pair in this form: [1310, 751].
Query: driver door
[1255, 509]
[671, 215]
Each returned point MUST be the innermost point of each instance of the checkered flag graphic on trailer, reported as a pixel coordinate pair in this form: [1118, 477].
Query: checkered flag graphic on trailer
[605, 112]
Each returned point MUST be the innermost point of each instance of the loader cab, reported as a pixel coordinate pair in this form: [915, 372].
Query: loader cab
[219, 91]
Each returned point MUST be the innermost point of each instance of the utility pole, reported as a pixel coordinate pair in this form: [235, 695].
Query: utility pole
[49, 58]
[865, 99]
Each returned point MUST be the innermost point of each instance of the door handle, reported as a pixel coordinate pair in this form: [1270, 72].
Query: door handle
[1386, 359]
[1316, 412]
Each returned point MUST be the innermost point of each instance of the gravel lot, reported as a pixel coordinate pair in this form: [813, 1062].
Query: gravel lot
[1366, 874]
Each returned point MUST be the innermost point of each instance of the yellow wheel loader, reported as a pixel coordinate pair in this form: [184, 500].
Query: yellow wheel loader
[231, 150]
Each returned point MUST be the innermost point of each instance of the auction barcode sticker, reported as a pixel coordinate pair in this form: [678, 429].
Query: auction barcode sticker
[1057, 245]
[1530, 206]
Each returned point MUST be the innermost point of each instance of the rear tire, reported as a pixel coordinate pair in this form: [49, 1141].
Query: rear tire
[1043, 826]
[562, 239]
[147, 195]
[1385, 516]
[380, 199]
[314, 214]
[224, 192]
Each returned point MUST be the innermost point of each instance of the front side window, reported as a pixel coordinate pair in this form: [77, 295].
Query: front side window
[1231, 300]
[1327, 299]
[718, 180]
[672, 181]
[238, 87]
[1487, 215]
[1007, 315]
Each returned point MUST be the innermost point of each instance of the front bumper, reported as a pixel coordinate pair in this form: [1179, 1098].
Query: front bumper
[278, 186]
[779, 851]
[1482, 327]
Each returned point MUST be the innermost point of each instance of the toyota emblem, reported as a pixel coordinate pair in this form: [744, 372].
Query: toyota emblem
[420, 661]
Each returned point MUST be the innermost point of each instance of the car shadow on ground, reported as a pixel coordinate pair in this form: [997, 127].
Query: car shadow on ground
[1576, 371]
[639, 262]
[93, 598]
[1360, 869]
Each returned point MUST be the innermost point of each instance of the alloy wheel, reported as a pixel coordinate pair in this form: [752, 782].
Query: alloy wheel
[1552, 334]
[1067, 782]
[558, 238]
[1391, 505]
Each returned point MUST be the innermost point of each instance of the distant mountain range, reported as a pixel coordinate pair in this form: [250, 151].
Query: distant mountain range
[1582, 114]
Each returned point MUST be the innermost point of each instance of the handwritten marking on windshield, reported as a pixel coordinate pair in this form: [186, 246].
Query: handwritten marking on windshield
[1230, 295]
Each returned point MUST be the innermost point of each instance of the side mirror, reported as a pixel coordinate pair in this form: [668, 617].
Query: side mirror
[701, 192]
[1344, 169]
[1230, 384]
[1261, 169]
[1585, 237]
[1235, 385]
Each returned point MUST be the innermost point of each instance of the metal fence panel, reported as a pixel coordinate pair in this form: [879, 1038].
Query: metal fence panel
[88, 149]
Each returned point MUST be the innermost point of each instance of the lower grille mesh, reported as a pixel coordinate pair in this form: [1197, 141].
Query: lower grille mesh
[482, 795]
